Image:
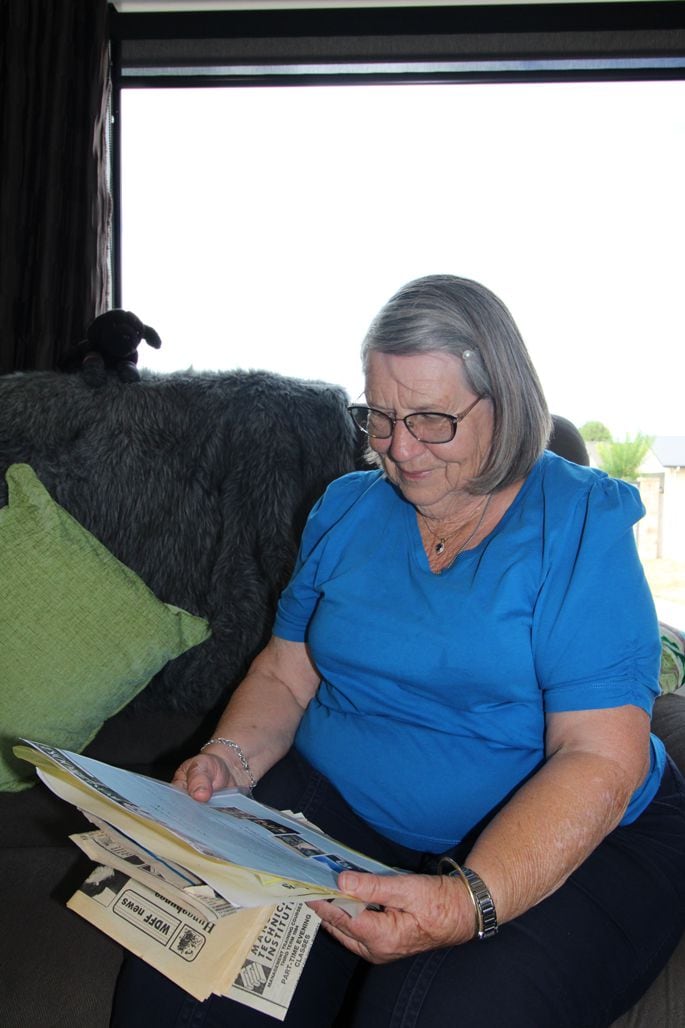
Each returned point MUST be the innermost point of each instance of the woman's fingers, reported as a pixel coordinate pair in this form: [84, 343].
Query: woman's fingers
[202, 775]
[417, 912]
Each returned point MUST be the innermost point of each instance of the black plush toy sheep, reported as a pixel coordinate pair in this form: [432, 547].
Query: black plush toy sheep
[111, 344]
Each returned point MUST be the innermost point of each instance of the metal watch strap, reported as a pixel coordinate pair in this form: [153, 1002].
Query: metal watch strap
[483, 904]
[487, 915]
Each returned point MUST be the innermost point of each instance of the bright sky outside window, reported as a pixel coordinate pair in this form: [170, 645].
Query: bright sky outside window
[264, 227]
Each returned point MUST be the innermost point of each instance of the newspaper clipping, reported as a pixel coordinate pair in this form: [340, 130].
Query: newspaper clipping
[211, 895]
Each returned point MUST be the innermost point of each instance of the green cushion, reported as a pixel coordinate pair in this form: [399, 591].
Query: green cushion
[672, 674]
[80, 633]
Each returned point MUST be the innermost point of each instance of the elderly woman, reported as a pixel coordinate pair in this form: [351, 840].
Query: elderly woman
[462, 666]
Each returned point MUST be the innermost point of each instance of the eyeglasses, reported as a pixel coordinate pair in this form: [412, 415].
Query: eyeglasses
[426, 426]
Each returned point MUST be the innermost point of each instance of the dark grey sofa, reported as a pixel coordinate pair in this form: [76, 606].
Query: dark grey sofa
[123, 461]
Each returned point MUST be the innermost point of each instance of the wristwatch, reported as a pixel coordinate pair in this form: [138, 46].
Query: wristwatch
[487, 915]
[483, 903]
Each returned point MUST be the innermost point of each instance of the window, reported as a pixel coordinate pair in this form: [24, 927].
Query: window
[265, 227]
[268, 211]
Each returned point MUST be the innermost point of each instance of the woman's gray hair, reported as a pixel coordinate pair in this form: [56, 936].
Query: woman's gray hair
[443, 313]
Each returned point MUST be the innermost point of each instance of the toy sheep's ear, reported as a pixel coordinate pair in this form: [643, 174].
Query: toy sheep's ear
[151, 337]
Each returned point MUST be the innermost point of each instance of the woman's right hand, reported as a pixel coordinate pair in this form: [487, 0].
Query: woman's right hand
[202, 775]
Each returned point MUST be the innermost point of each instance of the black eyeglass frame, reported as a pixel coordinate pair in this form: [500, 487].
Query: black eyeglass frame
[453, 419]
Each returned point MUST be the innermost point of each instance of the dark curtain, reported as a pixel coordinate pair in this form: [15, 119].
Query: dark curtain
[55, 206]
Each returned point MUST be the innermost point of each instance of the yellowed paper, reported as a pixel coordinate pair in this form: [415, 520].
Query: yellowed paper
[200, 954]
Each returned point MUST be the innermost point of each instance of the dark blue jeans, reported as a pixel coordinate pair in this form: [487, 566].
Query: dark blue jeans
[578, 959]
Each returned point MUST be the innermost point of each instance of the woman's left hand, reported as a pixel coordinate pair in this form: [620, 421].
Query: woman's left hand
[419, 912]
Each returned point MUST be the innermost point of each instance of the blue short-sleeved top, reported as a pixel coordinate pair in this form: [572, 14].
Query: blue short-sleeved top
[434, 688]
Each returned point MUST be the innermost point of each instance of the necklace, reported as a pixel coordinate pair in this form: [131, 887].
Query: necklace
[440, 540]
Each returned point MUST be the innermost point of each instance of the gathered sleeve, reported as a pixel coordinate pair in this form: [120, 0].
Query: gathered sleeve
[594, 631]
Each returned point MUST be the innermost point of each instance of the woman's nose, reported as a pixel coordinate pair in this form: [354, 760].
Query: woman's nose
[403, 445]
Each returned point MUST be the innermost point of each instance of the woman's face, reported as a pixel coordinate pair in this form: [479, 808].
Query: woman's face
[433, 477]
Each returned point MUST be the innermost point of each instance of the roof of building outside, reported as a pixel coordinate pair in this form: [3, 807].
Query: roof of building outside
[669, 450]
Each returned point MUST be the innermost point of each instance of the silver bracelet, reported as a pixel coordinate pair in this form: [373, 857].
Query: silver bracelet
[238, 750]
[483, 903]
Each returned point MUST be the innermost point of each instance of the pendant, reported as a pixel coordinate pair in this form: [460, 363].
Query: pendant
[440, 547]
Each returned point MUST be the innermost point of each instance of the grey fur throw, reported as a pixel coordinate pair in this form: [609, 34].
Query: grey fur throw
[200, 483]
